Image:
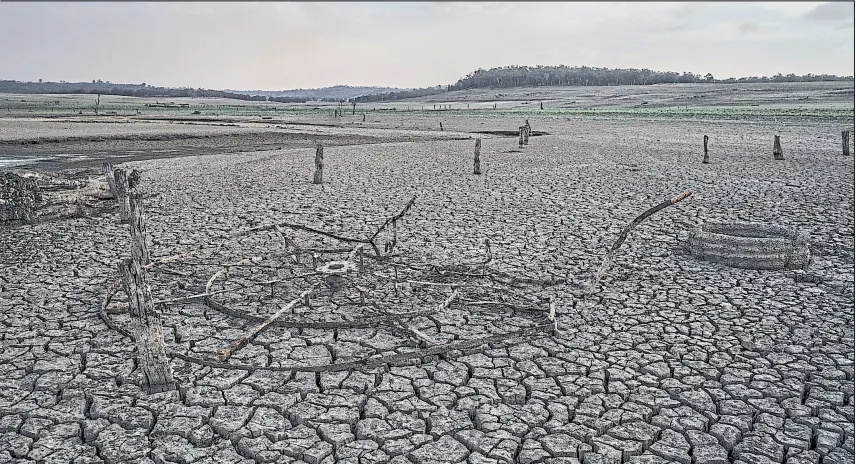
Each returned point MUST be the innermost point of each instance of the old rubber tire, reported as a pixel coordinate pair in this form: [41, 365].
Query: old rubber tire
[750, 245]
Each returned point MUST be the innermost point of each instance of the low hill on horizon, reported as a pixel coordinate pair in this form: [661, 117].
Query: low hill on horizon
[337, 92]
[495, 78]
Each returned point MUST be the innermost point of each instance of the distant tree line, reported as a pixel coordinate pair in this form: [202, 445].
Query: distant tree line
[332, 94]
[400, 95]
[525, 76]
[129, 90]
[502, 77]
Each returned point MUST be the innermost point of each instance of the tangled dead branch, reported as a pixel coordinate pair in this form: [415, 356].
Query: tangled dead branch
[353, 274]
[463, 346]
[368, 241]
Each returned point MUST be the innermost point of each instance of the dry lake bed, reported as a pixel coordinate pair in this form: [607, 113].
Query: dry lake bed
[444, 348]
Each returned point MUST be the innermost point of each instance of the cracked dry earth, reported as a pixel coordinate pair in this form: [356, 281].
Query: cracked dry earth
[675, 360]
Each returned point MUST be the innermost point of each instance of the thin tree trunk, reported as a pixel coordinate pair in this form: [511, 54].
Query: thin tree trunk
[319, 164]
[777, 148]
[476, 158]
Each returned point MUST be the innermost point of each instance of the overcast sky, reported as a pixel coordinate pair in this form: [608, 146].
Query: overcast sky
[273, 46]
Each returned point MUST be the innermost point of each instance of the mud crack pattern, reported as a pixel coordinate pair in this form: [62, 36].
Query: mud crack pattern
[685, 361]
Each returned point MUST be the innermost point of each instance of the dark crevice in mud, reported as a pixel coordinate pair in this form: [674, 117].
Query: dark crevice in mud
[509, 133]
[320, 124]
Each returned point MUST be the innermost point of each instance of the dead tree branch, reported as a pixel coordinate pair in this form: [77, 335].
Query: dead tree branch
[392, 220]
[610, 255]
[368, 241]
[448, 301]
[392, 359]
[239, 343]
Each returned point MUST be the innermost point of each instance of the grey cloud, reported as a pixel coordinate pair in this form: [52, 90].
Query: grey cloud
[669, 28]
[689, 9]
[831, 11]
[303, 44]
[748, 28]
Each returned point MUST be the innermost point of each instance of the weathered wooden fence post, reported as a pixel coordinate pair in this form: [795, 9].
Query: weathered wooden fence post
[364, 117]
[120, 178]
[845, 142]
[108, 169]
[441, 127]
[476, 158]
[354, 108]
[319, 164]
[527, 131]
[705, 160]
[146, 326]
[542, 105]
[522, 129]
[777, 149]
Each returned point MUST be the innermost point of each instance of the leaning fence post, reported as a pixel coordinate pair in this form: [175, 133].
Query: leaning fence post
[845, 142]
[777, 148]
[705, 160]
[476, 158]
[146, 325]
[121, 183]
[319, 164]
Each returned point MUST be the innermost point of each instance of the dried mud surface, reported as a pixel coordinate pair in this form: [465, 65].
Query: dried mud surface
[49, 145]
[675, 360]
